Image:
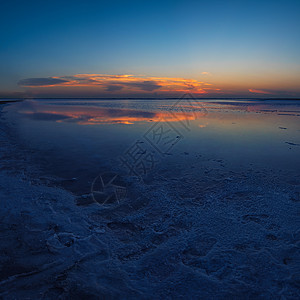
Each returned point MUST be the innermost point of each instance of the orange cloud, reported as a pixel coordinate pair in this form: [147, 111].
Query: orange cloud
[206, 73]
[120, 83]
[259, 91]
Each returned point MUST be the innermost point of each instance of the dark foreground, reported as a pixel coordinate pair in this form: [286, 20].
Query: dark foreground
[209, 233]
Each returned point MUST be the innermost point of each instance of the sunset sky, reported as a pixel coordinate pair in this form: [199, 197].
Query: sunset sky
[150, 48]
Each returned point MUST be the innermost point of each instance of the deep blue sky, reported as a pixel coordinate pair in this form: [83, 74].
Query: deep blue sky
[242, 44]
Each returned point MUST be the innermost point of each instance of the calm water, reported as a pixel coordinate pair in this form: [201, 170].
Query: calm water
[83, 138]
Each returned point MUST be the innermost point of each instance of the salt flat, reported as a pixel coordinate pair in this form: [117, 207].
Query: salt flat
[217, 218]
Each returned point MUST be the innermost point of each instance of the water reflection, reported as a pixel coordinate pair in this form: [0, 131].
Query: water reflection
[93, 115]
[222, 135]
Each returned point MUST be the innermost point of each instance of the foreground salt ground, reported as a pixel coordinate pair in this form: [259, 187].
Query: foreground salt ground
[226, 235]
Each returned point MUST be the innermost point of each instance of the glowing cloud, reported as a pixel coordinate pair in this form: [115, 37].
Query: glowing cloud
[120, 83]
[259, 91]
[206, 73]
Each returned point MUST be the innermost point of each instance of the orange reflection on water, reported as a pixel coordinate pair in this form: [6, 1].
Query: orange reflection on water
[93, 115]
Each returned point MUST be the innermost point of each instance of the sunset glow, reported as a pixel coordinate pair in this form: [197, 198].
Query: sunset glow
[149, 149]
[122, 50]
[120, 83]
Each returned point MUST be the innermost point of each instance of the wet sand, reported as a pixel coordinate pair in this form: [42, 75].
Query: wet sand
[206, 233]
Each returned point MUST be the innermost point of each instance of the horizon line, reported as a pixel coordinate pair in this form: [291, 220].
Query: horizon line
[150, 98]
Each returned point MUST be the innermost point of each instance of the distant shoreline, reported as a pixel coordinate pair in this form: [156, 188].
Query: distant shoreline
[139, 98]
[10, 101]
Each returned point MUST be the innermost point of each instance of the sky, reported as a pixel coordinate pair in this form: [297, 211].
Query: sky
[150, 48]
